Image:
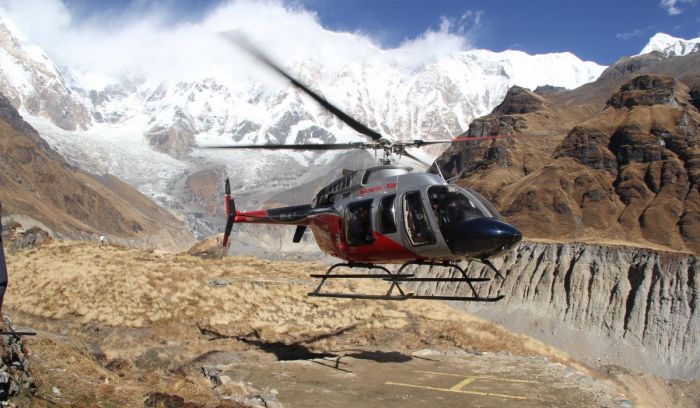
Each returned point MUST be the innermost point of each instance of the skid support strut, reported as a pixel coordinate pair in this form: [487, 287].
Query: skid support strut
[396, 279]
[389, 277]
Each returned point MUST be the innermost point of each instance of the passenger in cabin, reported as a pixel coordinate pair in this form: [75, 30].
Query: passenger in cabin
[360, 229]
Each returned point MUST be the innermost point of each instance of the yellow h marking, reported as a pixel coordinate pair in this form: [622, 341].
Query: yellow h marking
[458, 388]
[485, 377]
[487, 394]
[462, 384]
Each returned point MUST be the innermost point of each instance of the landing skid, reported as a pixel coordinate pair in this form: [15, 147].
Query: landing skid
[397, 278]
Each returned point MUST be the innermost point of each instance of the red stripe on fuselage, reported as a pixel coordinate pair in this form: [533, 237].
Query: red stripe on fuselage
[257, 216]
[383, 250]
[329, 234]
[330, 237]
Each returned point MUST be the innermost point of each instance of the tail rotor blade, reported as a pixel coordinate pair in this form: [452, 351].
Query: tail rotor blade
[230, 214]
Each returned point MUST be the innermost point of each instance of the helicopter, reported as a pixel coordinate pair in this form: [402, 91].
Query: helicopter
[387, 214]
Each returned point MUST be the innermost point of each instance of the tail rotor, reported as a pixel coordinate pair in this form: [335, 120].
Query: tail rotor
[230, 216]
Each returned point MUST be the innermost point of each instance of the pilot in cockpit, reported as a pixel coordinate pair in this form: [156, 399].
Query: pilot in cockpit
[440, 208]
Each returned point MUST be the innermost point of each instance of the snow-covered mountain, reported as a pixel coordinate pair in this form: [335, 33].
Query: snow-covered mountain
[143, 131]
[29, 79]
[671, 46]
[435, 102]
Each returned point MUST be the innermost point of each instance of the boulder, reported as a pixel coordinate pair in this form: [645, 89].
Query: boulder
[208, 248]
[15, 375]
[28, 239]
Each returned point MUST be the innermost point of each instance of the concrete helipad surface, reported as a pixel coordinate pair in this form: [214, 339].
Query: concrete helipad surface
[382, 379]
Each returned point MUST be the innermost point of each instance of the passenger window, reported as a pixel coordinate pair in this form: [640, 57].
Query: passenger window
[358, 227]
[416, 220]
[387, 217]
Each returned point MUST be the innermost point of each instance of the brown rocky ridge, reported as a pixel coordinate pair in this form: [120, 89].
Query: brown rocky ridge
[613, 161]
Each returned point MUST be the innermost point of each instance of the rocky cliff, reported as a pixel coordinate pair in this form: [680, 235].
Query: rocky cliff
[606, 305]
[616, 160]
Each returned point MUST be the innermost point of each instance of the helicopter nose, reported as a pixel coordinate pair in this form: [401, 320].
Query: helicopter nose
[481, 237]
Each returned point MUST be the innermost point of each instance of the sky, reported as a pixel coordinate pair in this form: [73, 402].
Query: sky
[595, 30]
[162, 38]
[599, 31]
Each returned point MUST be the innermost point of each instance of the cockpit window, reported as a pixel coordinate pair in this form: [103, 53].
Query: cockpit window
[451, 206]
[416, 220]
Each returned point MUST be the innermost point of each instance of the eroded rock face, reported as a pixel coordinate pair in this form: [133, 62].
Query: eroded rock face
[493, 126]
[203, 188]
[519, 100]
[175, 140]
[630, 65]
[694, 92]
[546, 90]
[463, 158]
[633, 307]
[588, 146]
[646, 90]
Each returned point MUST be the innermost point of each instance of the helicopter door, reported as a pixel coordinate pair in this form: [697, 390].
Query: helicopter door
[358, 223]
[416, 220]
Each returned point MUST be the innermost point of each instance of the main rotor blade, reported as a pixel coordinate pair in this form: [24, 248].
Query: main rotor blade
[407, 154]
[243, 43]
[470, 138]
[420, 143]
[331, 146]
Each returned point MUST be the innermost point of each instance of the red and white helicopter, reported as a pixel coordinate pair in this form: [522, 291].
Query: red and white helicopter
[386, 215]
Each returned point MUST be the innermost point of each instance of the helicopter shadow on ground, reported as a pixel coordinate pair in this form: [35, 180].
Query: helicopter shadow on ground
[299, 351]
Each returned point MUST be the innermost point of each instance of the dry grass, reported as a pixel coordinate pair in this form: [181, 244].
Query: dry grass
[142, 308]
[70, 376]
[124, 287]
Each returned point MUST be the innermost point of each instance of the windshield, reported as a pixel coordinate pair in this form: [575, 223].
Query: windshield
[485, 205]
[451, 206]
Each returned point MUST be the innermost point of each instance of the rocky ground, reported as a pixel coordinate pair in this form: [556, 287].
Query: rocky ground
[125, 327]
[604, 304]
